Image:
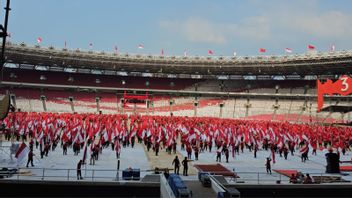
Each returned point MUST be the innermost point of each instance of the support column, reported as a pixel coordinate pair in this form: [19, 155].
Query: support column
[305, 104]
[13, 100]
[71, 103]
[171, 104]
[276, 106]
[117, 103]
[43, 99]
[97, 100]
[134, 108]
[234, 109]
[247, 106]
[147, 104]
[221, 105]
[122, 103]
[195, 108]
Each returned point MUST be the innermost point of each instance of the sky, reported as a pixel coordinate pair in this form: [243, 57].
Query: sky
[176, 26]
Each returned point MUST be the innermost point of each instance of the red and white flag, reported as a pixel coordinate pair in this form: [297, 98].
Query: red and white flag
[140, 46]
[210, 52]
[39, 40]
[262, 50]
[311, 47]
[21, 153]
[288, 50]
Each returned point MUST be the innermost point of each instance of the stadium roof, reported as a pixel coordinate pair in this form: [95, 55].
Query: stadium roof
[329, 63]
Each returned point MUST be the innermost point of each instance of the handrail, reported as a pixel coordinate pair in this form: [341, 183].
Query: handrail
[63, 174]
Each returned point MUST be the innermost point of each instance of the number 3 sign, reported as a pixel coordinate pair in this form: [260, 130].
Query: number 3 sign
[343, 86]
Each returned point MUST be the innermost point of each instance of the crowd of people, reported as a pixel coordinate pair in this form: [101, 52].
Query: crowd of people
[94, 132]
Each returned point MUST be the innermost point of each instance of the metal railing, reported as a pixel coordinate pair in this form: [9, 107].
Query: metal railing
[56, 174]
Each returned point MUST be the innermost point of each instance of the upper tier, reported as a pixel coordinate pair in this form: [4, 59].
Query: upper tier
[327, 63]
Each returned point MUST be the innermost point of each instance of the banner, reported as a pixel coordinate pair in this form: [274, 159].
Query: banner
[343, 87]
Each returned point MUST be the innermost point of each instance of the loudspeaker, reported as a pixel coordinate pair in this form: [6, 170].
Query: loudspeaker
[332, 163]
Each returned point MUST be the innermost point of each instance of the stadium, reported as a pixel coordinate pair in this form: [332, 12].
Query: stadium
[110, 124]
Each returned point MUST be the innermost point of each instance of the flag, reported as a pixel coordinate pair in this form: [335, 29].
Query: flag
[39, 40]
[140, 46]
[262, 50]
[116, 50]
[234, 53]
[21, 153]
[210, 52]
[162, 52]
[332, 48]
[185, 53]
[90, 45]
[311, 47]
[288, 50]
[65, 44]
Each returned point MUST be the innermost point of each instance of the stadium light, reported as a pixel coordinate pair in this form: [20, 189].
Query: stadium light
[13, 75]
[70, 79]
[42, 77]
[123, 82]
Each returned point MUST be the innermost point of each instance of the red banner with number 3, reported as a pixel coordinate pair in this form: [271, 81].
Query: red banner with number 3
[343, 86]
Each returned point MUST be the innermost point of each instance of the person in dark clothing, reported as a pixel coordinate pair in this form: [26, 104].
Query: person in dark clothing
[64, 147]
[149, 144]
[79, 173]
[255, 150]
[156, 148]
[46, 149]
[174, 146]
[185, 166]
[227, 154]
[308, 179]
[218, 155]
[41, 150]
[268, 165]
[30, 158]
[176, 164]
[196, 152]
[189, 151]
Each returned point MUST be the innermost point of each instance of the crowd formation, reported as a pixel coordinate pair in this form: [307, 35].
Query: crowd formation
[94, 132]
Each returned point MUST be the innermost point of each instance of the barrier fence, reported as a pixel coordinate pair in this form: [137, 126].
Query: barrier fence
[106, 175]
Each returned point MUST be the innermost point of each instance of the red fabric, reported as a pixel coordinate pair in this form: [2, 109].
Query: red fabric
[287, 173]
[217, 169]
[262, 50]
[346, 168]
[311, 47]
